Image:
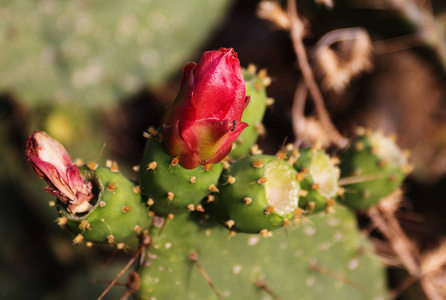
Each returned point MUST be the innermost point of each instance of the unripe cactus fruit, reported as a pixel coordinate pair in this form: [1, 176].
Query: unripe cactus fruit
[318, 178]
[253, 113]
[257, 194]
[118, 212]
[170, 188]
[372, 167]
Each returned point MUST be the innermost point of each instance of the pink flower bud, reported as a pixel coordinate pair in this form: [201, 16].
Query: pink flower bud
[51, 162]
[204, 120]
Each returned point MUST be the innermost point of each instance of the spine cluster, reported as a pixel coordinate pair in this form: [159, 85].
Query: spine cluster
[247, 192]
[117, 214]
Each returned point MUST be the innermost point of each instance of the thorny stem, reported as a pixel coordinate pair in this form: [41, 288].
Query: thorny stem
[297, 32]
[401, 245]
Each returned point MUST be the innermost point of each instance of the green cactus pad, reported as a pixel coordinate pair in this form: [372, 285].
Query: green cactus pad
[167, 186]
[101, 52]
[319, 179]
[257, 193]
[252, 115]
[118, 213]
[323, 257]
[372, 167]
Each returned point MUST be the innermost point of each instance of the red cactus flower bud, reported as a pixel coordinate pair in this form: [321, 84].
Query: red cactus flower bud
[203, 121]
[51, 162]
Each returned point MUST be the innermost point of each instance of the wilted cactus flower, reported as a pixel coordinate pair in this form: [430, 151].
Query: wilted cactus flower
[51, 162]
[203, 121]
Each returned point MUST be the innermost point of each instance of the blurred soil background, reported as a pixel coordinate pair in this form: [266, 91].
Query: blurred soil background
[93, 74]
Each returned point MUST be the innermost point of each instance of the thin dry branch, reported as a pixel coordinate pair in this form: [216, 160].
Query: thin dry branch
[300, 97]
[399, 242]
[352, 57]
[297, 31]
[405, 250]
[130, 262]
[396, 44]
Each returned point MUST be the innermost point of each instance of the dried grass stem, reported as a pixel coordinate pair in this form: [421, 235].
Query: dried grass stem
[297, 31]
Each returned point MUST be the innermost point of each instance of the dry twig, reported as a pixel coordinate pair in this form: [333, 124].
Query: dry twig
[404, 249]
[297, 31]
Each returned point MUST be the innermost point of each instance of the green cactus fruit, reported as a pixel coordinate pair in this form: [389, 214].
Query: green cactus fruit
[253, 113]
[372, 167]
[318, 178]
[323, 257]
[257, 194]
[118, 213]
[168, 187]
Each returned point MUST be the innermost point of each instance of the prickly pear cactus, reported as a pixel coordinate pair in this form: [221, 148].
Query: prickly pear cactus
[118, 212]
[97, 52]
[318, 177]
[169, 188]
[257, 194]
[255, 84]
[372, 167]
[322, 257]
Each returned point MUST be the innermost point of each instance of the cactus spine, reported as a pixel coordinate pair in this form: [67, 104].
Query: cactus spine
[318, 178]
[372, 167]
[118, 211]
[169, 188]
[258, 194]
[325, 257]
[253, 114]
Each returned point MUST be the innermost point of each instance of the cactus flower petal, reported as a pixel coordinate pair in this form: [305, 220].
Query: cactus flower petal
[51, 162]
[208, 140]
[212, 137]
[205, 117]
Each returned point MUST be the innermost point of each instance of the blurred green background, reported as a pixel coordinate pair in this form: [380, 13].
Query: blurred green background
[95, 73]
